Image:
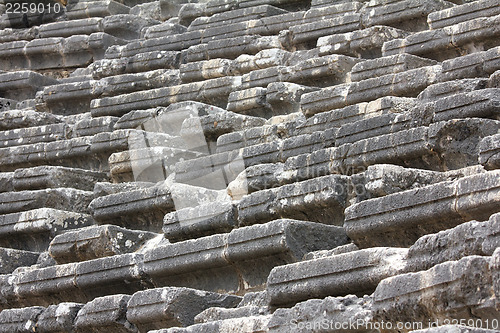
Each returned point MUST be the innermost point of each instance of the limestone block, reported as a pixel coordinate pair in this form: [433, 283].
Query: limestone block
[147, 164]
[404, 84]
[438, 293]
[7, 104]
[58, 318]
[401, 13]
[137, 209]
[58, 198]
[284, 97]
[10, 259]
[252, 324]
[6, 181]
[126, 83]
[388, 221]
[20, 320]
[22, 85]
[247, 254]
[316, 315]
[105, 314]
[200, 221]
[310, 32]
[364, 43]
[142, 62]
[93, 126]
[489, 152]
[31, 135]
[96, 242]
[444, 43]
[126, 26]
[100, 8]
[445, 89]
[172, 307]
[84, 26]
[462, 13]
[109, 275]
[467, 239]
[54, 177]
[13, 119]
[356, 272]
[320, 199]
[250, 101]
[388, 65]
[479, 64]
[33, 230]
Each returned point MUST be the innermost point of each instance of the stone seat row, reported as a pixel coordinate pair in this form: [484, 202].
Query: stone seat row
[218, 262]
[289, 284]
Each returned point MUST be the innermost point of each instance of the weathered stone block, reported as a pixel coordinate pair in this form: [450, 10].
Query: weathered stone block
[467, 239]
[53, 177]
[330, 313]
[221, 262]
[172, 307]
[462, 13]
[33, 230]
[96, 242]
[365, 43]
[59, 198]
[199, 221]
[320, 199]
[452, 290]
[310, 32]
[137, 209]
[10, 259]
[6, 181]
[105, 314]
[356, 272]
[20, 320]
[13, 119]
[401, 218]
[58, 318]
[252, 324]
[489, 152]
[22, 85]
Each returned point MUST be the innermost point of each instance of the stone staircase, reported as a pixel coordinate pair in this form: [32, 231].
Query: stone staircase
[250, 166]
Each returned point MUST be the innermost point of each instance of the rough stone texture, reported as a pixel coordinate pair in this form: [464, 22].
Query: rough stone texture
[489, 152]
[388, 221]
[356, 272]
[453, 290]
[96, 242]
[33, 230]
[58, 318]
[172, 307]
[471, 238]
[221, 262]
[19, 320]
[10, 259]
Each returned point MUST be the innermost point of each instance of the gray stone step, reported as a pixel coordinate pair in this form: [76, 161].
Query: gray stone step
[93, 126]
[96, 242]
[23, 85]
[477, 64]
[104, 314]
[142, 62]
[407, 14]
[489, 149]
[393, 220]
[448, 42]
[251, 324]
[304, 316]
[58, 317]
[214, 91]
[466, 239]
[57, 198]
[465, 12]
[321, 199]
[364, 43]
[19, 320]
[13, 119]
[172, 307]
[56, 52]
[33, 230]
[404, 84]
[409, 296]
[356, 272]
[10, 259]
[247, 255]
[32, 135]
[54, 176]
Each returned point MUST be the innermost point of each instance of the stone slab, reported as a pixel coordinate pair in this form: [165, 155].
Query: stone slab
[462, 13]
[356, 272]
[13, 119]
[53, 177]
[489, 152]
[399, 219]
[221, 262]
[33, 230]
[58, 318]
[96, 242]
[172, 307]
[10, 259]
[20, 320]
[22, 85]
